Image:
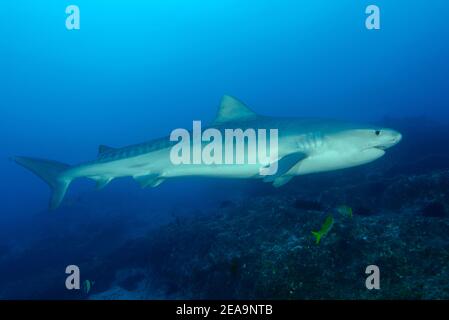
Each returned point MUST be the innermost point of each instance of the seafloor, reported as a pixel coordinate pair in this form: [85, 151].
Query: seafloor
[259, 245]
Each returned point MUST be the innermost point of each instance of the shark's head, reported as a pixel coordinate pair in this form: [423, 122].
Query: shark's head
[372, 138]
[344, 145]
[362, 145]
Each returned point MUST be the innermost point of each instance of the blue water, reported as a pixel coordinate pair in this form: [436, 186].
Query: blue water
[138, 69]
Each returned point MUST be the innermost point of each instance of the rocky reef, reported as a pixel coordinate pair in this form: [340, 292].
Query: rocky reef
[263, 248]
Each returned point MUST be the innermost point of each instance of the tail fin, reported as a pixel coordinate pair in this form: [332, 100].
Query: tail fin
[50, 172]
[317, 236]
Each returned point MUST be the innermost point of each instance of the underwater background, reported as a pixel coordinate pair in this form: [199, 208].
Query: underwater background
[138, 69]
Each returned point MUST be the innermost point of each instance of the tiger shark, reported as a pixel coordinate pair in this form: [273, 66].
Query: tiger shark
[305, 145]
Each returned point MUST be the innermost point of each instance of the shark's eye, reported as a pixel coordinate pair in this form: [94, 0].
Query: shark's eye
[377, 132]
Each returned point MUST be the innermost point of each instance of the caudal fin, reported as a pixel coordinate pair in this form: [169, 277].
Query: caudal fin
[50, 172]
[317, 236]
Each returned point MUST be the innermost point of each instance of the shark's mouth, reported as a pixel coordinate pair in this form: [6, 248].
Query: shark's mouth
[390, 143]
[380, 147]
[387, 145]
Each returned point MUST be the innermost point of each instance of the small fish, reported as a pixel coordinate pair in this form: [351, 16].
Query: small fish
[345, 211]
[87, 286]
[325, 228]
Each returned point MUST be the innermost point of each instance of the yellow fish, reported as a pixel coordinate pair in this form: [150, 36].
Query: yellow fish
[325, 228]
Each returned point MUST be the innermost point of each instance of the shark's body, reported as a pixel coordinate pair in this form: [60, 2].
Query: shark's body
[304, 146]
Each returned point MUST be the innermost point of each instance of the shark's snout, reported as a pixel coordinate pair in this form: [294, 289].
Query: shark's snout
[397, 138]
[390, 139]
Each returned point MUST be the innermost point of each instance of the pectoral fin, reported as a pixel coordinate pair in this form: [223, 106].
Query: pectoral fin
[284, 165]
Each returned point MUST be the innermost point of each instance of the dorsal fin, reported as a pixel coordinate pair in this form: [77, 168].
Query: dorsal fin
[102, 149]
[232, 109]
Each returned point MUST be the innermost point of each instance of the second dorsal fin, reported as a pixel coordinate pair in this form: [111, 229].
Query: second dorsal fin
[103, 149]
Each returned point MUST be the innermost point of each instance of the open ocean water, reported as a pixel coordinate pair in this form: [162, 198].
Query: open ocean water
[136, 70]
